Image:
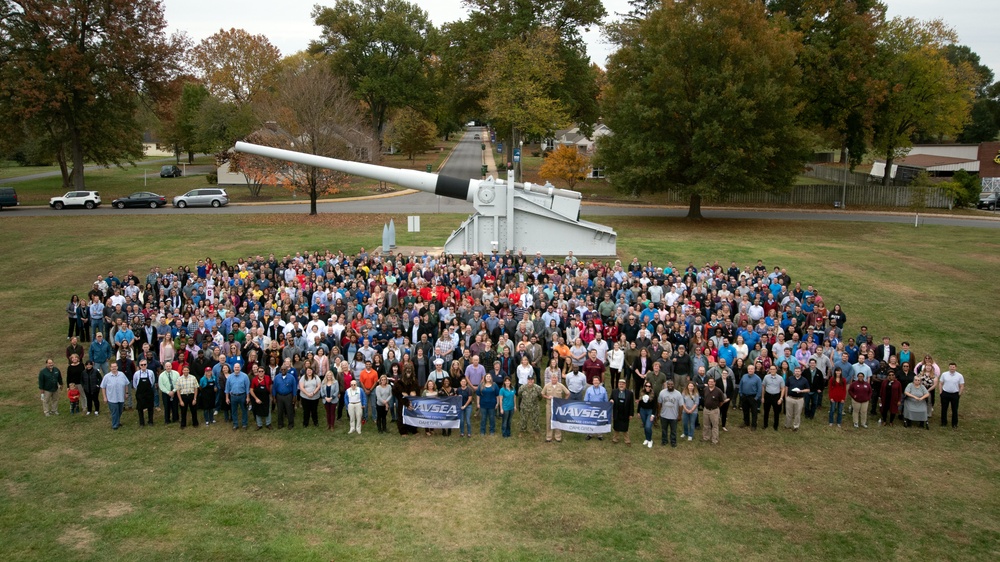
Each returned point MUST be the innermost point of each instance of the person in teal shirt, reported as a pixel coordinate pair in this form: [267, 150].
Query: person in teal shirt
[507, 406]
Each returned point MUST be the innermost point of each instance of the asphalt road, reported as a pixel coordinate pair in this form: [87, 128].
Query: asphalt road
[465, 162]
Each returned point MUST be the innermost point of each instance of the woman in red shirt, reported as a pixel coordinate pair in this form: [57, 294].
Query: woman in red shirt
[838, 394]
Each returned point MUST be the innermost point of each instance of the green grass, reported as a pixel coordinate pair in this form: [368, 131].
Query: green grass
[74, 490]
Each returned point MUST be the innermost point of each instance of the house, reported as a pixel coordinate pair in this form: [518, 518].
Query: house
[938, 160]
[584, 144]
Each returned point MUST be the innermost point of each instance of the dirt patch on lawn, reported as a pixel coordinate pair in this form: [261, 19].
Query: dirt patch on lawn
[77, 538]
[112, 510]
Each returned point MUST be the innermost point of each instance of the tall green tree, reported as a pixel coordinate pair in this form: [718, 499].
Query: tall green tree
[383, 49]
[840, 85]
[78, 70]
[984, 117]
[703, 98]
[411, 133]
[925, 93]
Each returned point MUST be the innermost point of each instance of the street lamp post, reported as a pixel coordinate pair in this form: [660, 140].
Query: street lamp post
[847, 168]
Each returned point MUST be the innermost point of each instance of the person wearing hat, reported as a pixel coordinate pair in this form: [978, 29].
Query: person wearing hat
[438, 374]
[529, 395]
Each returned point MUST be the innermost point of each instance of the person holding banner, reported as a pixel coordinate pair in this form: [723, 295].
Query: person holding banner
[445, 390]
[430, 391]
[466, 393]
[647, 411]
[507, 406]
[596, 393]
[622, 412]
[554, 389]
[671, 403]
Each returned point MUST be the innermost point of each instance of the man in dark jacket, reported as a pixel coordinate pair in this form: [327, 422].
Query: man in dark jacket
[50, 383]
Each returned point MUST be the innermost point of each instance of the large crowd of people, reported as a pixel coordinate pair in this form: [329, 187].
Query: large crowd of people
[266, 341]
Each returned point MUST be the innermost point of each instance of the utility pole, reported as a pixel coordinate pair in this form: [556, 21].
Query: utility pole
[847, 170]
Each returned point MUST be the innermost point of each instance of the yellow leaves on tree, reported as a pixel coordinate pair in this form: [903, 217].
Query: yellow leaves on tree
[566, 164]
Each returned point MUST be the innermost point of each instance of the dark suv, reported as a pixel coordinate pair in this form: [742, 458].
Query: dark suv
[8, 197]
[170, 172]
[988, 200]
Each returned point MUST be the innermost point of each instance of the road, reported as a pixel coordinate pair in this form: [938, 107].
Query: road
[465, 162]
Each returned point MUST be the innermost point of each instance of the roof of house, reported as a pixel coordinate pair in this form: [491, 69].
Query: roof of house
[931, 161]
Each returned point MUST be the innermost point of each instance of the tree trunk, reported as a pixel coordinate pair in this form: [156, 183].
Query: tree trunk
[887, 176]
[190, 157]
[76, 175]
[694, 207]
[63, 169]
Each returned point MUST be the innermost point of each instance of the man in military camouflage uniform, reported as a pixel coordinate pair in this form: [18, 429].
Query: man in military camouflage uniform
[554, 389]
[530, 393]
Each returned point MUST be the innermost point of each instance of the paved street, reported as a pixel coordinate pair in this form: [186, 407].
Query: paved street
[465, 162]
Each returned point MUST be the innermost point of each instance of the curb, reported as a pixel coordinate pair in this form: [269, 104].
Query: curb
[785, 210]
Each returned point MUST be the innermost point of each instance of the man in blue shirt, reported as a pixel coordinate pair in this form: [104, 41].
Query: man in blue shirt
[727, 352]
[238, 395]
[284, 387]
[750, 389]
[113, 387]
[100, 352]
[596, 393]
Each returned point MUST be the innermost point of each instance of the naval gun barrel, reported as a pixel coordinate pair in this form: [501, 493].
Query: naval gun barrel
[445, 186]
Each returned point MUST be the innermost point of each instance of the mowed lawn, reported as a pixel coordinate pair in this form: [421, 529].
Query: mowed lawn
[73, 489]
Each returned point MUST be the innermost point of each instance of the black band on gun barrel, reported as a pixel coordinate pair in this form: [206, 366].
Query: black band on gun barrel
[454, 188]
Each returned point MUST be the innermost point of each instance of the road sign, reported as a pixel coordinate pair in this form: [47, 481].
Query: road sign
[517, 155]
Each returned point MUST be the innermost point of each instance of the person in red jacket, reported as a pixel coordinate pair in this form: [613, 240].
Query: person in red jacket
[892, 390]
[861, 392]
[838, 394]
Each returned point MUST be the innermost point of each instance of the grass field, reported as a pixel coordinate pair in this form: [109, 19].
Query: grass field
[74, 490]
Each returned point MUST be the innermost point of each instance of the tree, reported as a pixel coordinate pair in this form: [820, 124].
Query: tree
[259, 170]
[839, 68]
[411, 133]
[77, 70]
[924, 92]
[235, 65]
[702, 98]
[321, 117]
[984, 117]
[382, 48]
[567, 164]
[220, 124]
[518, 79]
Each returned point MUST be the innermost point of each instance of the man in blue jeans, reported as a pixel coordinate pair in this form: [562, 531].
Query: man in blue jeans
[237, 396]
[113, 387]
[814, 377]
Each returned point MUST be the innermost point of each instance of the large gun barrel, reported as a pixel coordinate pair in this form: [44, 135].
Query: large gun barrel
[445, 186]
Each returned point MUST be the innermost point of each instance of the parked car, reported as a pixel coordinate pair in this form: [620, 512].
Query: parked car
[88, 199]
[988, 200]
[8, 197]
[476, 136]
[140, 199]
[170, 172]
[214, 196]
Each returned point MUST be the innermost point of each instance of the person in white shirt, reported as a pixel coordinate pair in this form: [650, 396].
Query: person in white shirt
[951, 386]
[616, 360]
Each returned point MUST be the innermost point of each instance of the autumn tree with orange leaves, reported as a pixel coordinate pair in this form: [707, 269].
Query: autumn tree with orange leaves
[567, 164]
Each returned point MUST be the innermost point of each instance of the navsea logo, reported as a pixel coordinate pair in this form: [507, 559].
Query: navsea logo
[996, 158]
[435, 408]
[577, 412]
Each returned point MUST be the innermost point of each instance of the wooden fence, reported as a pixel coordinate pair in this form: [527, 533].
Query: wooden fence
[828, 195]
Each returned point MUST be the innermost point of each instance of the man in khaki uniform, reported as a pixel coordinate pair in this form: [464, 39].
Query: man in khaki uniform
[554, 389]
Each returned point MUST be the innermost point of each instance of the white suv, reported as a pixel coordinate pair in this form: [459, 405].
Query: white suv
[88, 199]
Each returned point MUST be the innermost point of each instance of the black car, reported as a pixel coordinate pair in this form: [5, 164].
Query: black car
[140, 199]
[988, 200]
[8, 197]
[170, 172]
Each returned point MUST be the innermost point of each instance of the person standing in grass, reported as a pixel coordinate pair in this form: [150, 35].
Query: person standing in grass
[486, 401]
[260, 397]
[465, 415]
[187, 396]
[383, 398]
[238, 396]
[861, 392]
[507, 406]
[690, 410]
[891, 392]
[951, 386]
[113, 387]
[330, 395]
[838, 395]
[671, 403]
[356, 399]
[50, 382]
[92, 387]
[713, 398]
[554, 389]
[430, 391]
[647, 411]
[623, 408]
[209, 388]
[530, 394]
[915, 400]
[309, 386]
[144, 383]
